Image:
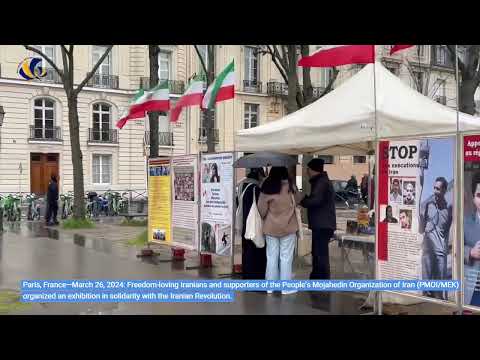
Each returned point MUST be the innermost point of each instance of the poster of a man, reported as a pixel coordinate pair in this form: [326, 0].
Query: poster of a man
[396, 190]
[471, 247]
[409, 193]
[405, 219]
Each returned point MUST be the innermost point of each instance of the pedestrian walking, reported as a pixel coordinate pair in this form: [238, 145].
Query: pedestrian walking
[320, 205]
[254, 260]
[52, 202]
[276, 206]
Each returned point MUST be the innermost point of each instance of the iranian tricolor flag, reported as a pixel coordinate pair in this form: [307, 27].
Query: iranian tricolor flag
[157, 99]
[335, 55]
[129, 114]
[192, 96]
[223, 88]
[396, 48]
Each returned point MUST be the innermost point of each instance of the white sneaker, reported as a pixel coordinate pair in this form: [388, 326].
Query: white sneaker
[288, 292]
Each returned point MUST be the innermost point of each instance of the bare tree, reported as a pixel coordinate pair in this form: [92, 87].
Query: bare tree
[209, 73]
[469, 78]
[66, 74]
[153, 51]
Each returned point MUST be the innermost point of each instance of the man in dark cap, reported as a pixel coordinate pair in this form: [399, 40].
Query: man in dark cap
[320, 205]
[52, 202]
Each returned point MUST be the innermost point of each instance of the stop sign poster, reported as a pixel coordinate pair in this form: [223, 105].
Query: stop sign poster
[416, 210]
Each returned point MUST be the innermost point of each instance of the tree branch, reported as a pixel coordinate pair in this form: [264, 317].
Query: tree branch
[70, 50]
[331, 82]
[90, 74]
[68, 85]
[47, 59]
[461, 65]
[202, 62]
[277, 64]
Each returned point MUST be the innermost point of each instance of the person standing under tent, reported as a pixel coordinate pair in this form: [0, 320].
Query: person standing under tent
[276, 206]
[322, 220]
[254, 260]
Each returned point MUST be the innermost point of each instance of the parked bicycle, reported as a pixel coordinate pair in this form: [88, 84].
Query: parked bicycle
[33, 208]
[11, 207]
[92, 205]
[67, 204]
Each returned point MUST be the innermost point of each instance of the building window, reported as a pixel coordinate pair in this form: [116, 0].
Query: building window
[251, 116]
[441, 55]
[421, 50]
[49, 51]
[359, 159]
[325, 76]
[203, 50]
[102, 169]
[106, 66]
[101, 122]
[44, 119]
[327, 158]
[164, 65]
[251, 65]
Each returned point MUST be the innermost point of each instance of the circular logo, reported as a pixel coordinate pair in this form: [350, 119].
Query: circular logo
[31, 68]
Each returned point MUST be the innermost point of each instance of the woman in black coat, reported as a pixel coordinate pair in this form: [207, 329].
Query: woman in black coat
[254, 260]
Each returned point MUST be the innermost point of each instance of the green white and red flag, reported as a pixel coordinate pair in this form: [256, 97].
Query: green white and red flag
[223, 88]
[128, 114]
[192, 96]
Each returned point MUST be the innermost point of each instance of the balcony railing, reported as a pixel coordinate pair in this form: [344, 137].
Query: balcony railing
[202, 135]
[109, 136]
[104, 81]
[164, 138]
[175, 86]
[441, 99]
[45, 133]
[277, 89]
[281, 89]
[252, 86]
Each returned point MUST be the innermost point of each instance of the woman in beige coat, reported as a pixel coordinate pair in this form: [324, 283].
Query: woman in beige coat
[276, 206]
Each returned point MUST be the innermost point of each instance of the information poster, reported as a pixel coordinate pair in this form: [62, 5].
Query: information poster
[471, 220]
[159, 201]
[185, 201]
[216, 203]
[416, 219]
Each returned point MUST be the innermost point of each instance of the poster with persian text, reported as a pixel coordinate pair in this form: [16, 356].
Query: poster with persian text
[416, 211]
[216, 191]
[185, 201]
[159, 201]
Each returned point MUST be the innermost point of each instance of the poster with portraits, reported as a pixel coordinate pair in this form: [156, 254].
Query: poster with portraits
[471, 220]
[159, 201]
[185, 201]
[216, 192]
[416, 203]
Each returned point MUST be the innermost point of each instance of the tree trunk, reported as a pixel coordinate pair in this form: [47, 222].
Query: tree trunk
[466, 94]
[153, 116]
[209, 114]
[307, 80]
[77, 159]
[292, 79]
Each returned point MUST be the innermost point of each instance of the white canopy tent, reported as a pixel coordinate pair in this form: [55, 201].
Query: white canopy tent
[343, 121]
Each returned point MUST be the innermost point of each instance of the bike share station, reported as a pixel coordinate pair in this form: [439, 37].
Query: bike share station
[418, 145]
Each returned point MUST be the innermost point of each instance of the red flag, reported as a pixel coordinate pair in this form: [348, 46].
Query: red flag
[138, 115]
[396, 48]
[335, 55]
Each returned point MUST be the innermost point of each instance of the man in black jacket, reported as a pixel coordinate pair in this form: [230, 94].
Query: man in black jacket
[52, 201]
[322, 220]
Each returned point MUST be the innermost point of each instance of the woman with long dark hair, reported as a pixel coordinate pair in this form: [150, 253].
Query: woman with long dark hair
[276, 206]
[254, 260]
[215, 177]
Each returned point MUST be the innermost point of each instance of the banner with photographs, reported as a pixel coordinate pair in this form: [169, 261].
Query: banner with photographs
[185, 201]
[471, 220]
[416, 204]
[159, 201]
[216, 203]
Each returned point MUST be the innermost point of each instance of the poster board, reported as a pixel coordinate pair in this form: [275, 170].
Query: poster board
[471, 220]
[185, 201]
[159, 201]
[216, 192]
[416, 220]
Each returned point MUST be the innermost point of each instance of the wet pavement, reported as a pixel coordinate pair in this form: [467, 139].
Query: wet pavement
[32, 251]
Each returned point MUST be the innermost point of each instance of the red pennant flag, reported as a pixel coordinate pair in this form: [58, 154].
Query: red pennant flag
[396, 48]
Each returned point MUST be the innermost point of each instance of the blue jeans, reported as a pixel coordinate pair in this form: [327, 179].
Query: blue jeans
[280, 250]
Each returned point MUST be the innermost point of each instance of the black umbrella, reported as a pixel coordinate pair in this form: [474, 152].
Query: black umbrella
[264, 159]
